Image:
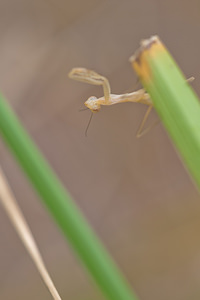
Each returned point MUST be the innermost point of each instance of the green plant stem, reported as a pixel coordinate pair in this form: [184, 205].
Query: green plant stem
[63, 209]
[174, 100]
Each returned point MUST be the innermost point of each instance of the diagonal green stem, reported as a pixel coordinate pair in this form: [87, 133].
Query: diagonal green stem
[62, 208]
[173, 98]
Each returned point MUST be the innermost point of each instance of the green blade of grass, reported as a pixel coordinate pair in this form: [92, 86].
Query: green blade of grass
[173, 98]
[63, 209]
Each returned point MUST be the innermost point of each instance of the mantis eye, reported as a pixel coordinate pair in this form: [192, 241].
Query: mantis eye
[92, 98]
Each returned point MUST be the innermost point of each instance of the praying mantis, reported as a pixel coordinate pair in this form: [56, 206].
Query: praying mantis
[94, 104]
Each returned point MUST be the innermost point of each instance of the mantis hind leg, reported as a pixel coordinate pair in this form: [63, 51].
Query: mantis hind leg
[141, 131]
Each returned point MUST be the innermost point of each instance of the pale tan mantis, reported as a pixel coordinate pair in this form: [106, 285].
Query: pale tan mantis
[94, 104]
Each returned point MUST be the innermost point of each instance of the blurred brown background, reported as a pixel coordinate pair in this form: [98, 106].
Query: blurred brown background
[135, 192]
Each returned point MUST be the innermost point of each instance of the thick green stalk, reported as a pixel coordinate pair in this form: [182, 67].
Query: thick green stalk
[173, 98]
[62, 208]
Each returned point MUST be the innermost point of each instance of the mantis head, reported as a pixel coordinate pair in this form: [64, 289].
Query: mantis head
[92, 104]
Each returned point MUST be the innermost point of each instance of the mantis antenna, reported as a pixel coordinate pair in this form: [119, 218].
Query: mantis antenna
[90, 119]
